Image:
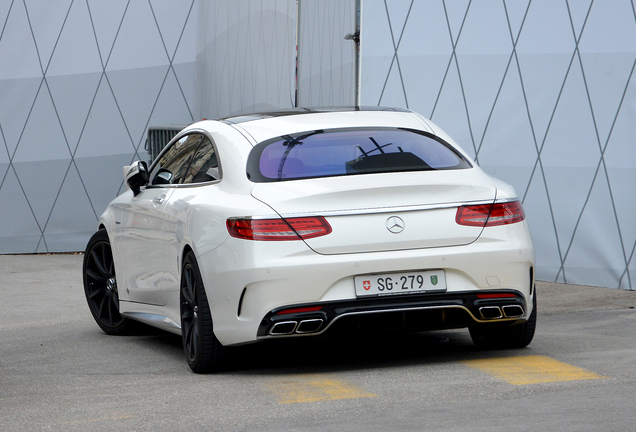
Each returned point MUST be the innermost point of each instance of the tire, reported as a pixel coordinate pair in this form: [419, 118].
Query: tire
[204, 353]
[495, 336]
[100, 286]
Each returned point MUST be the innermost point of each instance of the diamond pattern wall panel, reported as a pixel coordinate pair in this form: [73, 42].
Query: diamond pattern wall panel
[80, 82]
[542, 94]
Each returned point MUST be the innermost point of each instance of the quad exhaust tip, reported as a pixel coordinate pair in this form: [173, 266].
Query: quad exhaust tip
[496, 312]
[512, 311]
[490, 312]
[283, 328]
[309, 326]
[298, 327]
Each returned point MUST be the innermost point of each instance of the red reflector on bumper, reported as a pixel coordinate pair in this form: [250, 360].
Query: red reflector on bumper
[299, 310]
[493, 296]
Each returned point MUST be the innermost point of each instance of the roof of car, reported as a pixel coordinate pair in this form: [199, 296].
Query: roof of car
[298, 111]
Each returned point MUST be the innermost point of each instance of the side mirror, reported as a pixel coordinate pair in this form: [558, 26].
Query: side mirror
[137, 176]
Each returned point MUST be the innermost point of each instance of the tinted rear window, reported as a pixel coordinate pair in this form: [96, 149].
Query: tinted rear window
[349, 152]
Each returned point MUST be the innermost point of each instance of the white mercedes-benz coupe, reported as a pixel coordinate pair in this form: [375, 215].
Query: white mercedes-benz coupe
[305, 222]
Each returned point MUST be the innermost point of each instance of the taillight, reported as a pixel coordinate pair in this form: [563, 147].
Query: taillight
[278, 229]
[490, 214]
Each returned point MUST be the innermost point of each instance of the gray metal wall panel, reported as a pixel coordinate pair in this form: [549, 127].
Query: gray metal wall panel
[80, 82]
[246, 55]
[326, 72]
[542, 94]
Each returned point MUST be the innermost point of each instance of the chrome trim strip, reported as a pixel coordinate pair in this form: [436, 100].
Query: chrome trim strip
[406, 309]
[372, 210]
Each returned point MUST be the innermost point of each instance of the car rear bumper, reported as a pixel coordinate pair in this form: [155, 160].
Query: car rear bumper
[410, 312]
[245, 294]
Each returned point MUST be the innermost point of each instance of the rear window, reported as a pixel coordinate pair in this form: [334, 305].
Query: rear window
[327, 153]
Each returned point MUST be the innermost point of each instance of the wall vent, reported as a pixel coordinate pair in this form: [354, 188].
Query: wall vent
[158, 138]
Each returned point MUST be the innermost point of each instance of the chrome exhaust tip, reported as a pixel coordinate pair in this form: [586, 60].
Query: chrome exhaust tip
[309, 326]
[490, 312]
[283, 328]
[513, 311]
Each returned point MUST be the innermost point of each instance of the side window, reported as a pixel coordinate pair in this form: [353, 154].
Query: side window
[172, 168]
[204, 166]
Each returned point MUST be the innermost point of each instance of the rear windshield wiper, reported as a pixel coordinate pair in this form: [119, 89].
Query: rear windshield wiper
[378, 147]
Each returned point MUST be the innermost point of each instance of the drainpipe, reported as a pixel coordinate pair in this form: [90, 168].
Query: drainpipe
[297, 69]
[355, 37]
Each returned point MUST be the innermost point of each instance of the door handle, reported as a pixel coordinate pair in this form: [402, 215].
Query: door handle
[157, 201]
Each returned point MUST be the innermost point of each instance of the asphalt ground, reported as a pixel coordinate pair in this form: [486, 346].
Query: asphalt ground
[60, 372]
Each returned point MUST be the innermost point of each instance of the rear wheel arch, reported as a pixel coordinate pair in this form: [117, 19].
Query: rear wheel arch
[186, 249]
[204, 353]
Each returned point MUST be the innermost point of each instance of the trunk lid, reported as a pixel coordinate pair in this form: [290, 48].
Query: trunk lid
[383, 212]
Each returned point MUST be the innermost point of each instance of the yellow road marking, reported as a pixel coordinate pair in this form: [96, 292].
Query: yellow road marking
[315, 388]
[531, 370]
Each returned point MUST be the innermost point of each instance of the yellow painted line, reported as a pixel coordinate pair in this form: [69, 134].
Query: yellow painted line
[531, 370]
[315, 388]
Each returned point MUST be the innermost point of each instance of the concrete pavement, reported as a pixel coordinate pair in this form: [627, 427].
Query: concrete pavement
[59, 372]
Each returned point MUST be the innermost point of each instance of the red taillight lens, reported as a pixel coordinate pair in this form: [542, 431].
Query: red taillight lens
[278, 229]
[490, 214]
[476, 216]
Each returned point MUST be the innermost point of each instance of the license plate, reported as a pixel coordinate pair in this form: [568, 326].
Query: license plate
[400, 283]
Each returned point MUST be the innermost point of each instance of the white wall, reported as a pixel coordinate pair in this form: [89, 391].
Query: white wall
[542, 94]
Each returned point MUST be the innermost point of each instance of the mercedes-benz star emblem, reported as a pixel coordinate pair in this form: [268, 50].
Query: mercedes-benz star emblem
[395, 224]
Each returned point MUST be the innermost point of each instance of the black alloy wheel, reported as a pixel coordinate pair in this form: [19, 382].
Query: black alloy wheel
[204, 353]
[100, 286]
